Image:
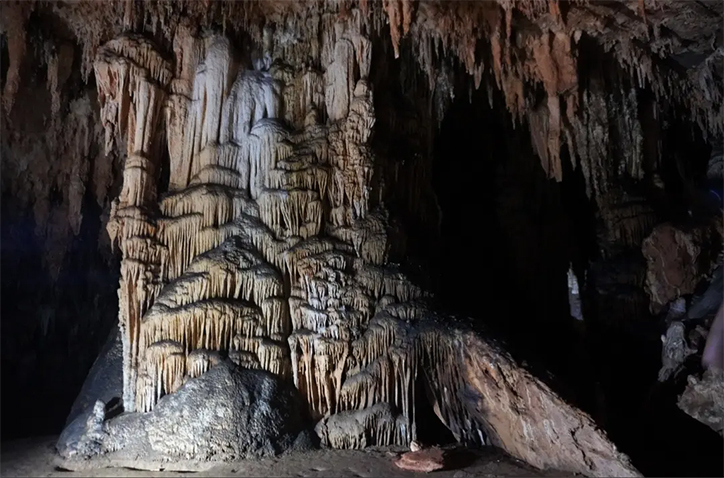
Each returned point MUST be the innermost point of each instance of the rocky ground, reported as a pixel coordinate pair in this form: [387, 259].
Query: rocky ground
[36, 457]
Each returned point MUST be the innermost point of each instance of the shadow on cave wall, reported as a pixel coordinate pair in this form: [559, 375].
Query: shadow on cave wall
[51, 330]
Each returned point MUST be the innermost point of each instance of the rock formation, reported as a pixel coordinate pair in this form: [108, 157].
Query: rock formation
[260, 223]
[702, 399]
[225, 414]
[271, 245]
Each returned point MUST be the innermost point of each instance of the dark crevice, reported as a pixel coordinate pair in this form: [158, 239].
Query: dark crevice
[508, 236]
[430, 428]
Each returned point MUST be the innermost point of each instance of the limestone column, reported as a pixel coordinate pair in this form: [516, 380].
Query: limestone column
[132, 77]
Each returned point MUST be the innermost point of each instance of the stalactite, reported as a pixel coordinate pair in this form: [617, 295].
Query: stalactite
[199, 361]
[162, 371]
[131, 77]
[227, 299]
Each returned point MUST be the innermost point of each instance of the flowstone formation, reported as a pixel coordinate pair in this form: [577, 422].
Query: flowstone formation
[266, 247]
[271, 250]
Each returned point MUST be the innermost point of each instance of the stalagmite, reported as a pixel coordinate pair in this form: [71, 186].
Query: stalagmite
[366, 427]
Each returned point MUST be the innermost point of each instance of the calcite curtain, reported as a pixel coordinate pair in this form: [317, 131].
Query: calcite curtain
[268, 245]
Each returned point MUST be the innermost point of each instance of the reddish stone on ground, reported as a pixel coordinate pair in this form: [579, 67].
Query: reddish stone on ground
[425, 461]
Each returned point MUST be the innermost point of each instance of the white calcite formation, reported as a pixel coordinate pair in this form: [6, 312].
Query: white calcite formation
[266, 246]
[271, 245]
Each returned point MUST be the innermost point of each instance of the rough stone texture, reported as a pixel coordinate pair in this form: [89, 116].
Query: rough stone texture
[677, 259]
[224, 414]
[105, 380]
[674, 351]
[84, 438]
[703, 399]
[425, 461]
[104, 383]
[531, 422]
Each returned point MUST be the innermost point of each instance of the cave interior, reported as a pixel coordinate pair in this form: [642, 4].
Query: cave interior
[491, 229]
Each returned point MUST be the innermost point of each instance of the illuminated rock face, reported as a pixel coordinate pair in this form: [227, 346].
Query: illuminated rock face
[265, 248]
[272, 244]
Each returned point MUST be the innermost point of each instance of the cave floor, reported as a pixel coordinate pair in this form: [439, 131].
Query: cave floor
[36, 457]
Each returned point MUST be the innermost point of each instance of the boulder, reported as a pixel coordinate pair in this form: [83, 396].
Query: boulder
[104, 383]
[702, 399]
[225, 414]
[531, 422]
[678, 257]
[674, 350]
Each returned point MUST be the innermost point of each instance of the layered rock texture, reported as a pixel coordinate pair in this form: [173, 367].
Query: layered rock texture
[272, 247]
[262, 199]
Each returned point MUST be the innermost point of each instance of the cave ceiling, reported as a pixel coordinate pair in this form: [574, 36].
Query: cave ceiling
[673, 46]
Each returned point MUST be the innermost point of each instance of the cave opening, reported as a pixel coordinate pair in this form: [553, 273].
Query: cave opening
[508, 237]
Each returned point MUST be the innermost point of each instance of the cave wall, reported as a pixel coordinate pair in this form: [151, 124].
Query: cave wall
[59, 282]
[596, 219]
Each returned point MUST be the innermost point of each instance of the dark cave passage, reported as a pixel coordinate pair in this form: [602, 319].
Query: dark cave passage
[508, 235]
[507, 238]
[430, 428]
[51, 335]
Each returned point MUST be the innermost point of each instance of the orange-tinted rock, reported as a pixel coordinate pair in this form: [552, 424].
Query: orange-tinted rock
[677, 260]
[532, 423]
[425, 461]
